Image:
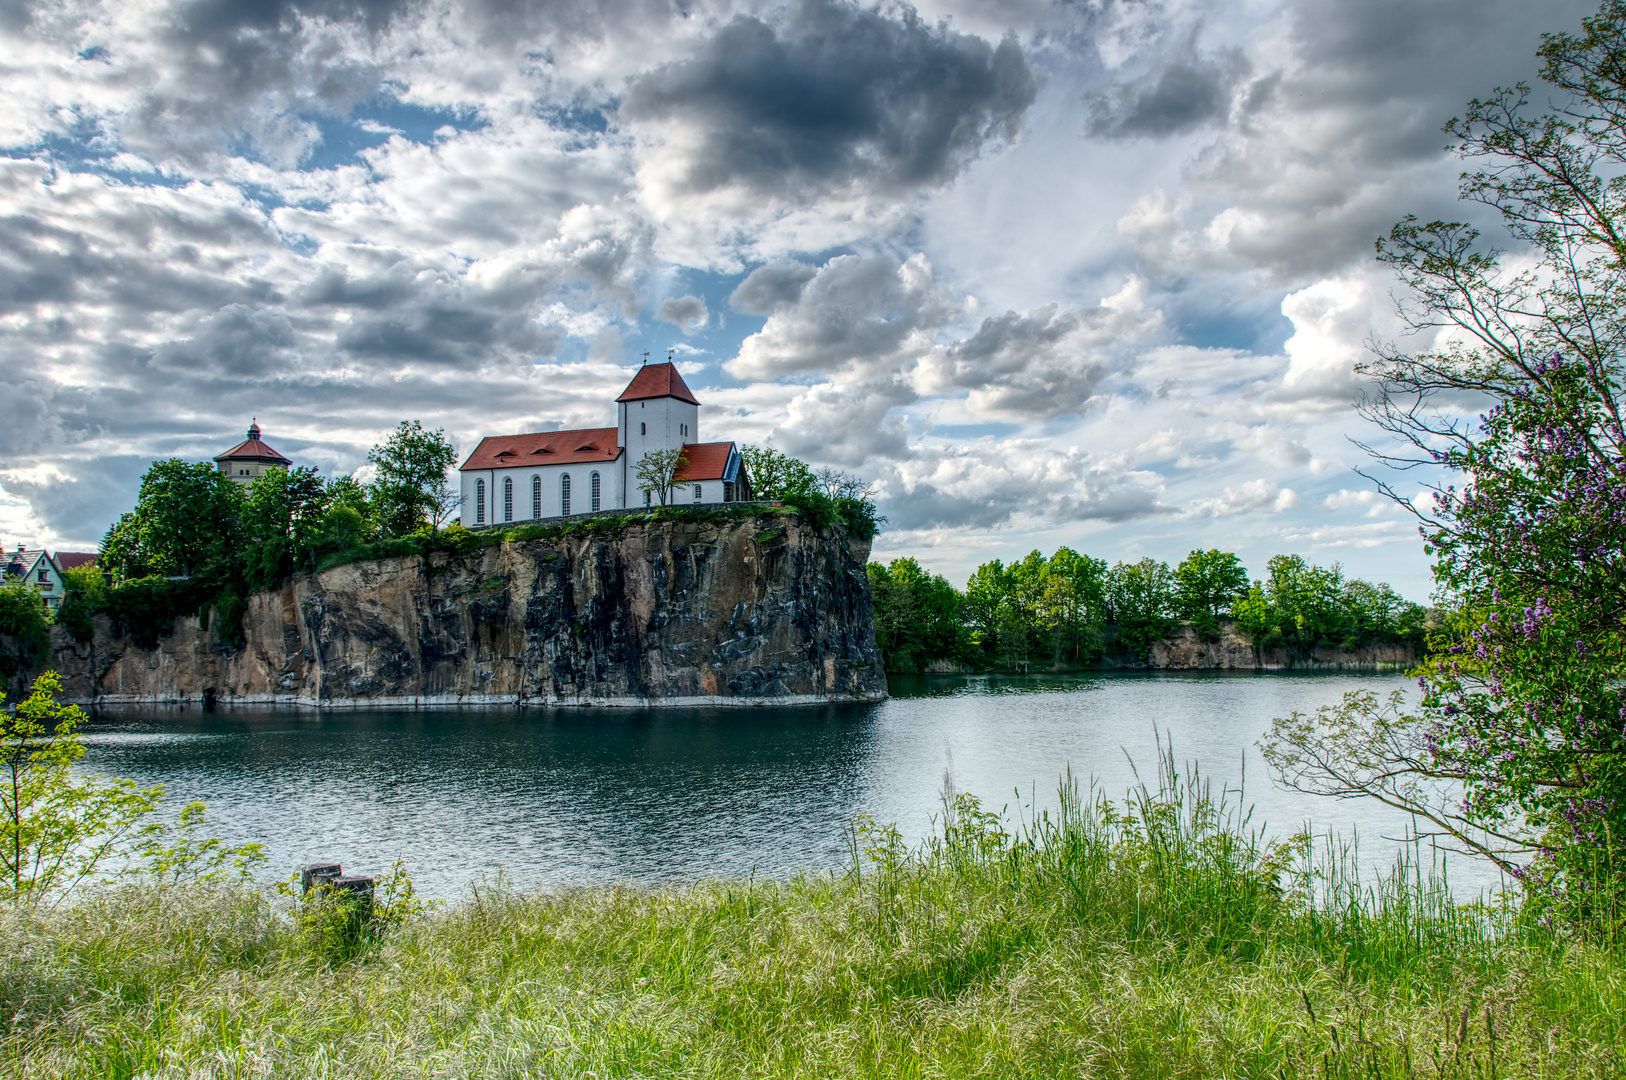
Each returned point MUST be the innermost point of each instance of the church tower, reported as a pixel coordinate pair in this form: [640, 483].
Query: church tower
[655, 412]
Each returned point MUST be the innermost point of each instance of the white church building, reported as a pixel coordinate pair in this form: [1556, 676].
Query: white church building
[551, 474]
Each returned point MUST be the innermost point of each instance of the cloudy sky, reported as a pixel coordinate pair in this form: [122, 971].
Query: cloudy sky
[1091, 273]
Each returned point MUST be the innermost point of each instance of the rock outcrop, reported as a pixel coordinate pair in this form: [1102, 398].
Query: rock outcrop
[1187, 648]
[760, 610]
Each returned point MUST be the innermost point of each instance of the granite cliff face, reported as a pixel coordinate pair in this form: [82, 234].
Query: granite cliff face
[763, 610]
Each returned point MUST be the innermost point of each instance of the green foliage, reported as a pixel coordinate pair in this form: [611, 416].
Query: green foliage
[56, 828]
[824, 497]
[410, 490]
[1141, 599]
[25, 622]
[147, 608]
[180, 853]
[85, 594]
[284, 525]
[1054, 608]
[776, 476]
[917, 617]
[1307, 606]
[1206, 582]
[187, 523]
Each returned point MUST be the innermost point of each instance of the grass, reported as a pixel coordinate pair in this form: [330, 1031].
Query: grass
[1156, 939]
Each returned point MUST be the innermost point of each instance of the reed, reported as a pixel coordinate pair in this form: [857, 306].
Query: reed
[1159, 937]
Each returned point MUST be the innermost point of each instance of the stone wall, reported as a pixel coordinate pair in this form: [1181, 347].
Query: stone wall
[766, 610]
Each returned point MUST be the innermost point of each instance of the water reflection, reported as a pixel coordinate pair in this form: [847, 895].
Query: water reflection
[555, 797]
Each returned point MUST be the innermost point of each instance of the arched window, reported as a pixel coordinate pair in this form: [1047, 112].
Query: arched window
[564, 494]
[593, 486]
[536, 496]
[643, 429]
[508, 498]
[479, 502]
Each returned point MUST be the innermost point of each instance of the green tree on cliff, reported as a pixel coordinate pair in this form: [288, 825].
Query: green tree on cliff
[409, 489]
[283, 521]
[186, 523]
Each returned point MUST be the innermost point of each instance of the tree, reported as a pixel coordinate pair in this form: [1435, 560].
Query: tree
[917, 616]
[824, 498]
[186, 523]
[1517, 750]
[1140, 597]
[1206, 582]
[283, 521]
[657, 471]
[56, 828]
[777, 476]
[1070, 608]
[25, 622]
[409, 489]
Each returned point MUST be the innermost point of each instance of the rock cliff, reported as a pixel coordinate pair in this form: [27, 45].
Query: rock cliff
[1228, 647]
[760, 610]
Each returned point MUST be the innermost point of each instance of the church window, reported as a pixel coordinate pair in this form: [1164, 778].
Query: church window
[643, 429]
[697, 491]
[564, 494]
[508, 498]
[728, 491]
[594, 487]
[536, 496]
[646, 498]
[479, 502]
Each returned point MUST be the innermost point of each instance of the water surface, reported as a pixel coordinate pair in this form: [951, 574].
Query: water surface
[573, 796]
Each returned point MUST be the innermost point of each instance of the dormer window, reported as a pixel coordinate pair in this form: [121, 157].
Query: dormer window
[543, 450]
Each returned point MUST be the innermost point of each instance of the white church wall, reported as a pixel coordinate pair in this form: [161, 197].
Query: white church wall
[550, 479]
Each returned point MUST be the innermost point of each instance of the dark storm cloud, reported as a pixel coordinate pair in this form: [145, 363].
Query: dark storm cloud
[1187, 93]
[768, 288]
[836, 95]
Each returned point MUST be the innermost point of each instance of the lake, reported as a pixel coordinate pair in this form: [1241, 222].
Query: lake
[575, 796]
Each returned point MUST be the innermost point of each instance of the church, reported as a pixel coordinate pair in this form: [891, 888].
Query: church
[552, 474]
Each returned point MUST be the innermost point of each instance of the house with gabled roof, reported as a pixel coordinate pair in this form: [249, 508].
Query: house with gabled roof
[550, 474]
[37, 570]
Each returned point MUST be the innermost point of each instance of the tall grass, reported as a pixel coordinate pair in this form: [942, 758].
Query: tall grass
[1157, 938]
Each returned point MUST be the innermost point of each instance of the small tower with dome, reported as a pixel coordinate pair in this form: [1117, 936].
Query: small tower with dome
[251, 458]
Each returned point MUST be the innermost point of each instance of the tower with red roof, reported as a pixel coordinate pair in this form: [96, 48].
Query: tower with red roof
[251, 458]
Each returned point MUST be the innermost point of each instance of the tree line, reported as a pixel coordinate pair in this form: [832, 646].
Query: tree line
[1072, 610]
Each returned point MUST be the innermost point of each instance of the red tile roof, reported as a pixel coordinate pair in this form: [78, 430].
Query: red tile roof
[657, 380]
[70, 560]
[704, 461]
[544, 448]
[253, 450]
